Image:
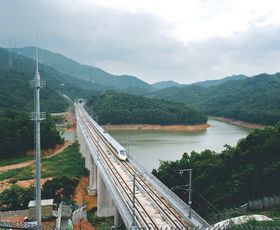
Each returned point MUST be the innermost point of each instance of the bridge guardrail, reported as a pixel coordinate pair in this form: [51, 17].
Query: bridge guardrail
[180, 205]
[115, 193]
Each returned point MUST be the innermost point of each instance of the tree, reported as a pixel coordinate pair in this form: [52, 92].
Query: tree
[16, 198]
[60, 188]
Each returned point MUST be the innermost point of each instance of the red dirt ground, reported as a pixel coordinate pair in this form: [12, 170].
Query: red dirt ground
[81, 196]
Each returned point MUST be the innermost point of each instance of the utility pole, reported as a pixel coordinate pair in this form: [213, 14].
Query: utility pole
[189, 189]
[37, 116]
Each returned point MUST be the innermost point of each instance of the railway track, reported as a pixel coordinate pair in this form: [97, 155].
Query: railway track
[143, 218]
[122, 172]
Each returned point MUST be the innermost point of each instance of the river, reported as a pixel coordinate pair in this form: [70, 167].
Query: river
[149, 147]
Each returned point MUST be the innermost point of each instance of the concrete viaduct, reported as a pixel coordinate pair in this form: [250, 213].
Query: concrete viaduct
[147, 204]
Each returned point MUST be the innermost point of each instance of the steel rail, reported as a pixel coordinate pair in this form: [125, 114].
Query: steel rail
[161, 202]
[114, 174]
[146, 187]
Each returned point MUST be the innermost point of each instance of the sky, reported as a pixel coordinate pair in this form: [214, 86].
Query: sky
[155, 40]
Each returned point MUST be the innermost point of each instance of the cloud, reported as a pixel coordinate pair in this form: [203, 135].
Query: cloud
[138, 42]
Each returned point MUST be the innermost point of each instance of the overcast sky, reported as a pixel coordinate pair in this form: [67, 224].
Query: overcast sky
[155, 40]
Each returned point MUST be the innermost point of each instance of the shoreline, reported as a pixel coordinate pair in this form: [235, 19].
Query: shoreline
[243, 124]
[189, 128]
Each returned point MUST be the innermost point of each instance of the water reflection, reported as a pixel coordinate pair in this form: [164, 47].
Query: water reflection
[151, 146]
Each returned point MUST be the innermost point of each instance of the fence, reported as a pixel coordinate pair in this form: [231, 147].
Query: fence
[79, 214]
[29, 226]
[265, 203]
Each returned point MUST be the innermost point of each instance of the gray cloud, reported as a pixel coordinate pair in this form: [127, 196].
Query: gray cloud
[135, 43]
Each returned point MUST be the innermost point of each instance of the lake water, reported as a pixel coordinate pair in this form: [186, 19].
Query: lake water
[149, 147]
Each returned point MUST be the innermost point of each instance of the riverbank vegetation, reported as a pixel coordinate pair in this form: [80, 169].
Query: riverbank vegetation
[250, 170]
[118, 108]
[17, 134]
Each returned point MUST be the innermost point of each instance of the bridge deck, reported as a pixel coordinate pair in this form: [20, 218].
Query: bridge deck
[156, 206]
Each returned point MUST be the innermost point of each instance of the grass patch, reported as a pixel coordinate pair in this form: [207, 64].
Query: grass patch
[69, 163]
[99, 222]
[18, 174]
[15, 160]
[274, 214]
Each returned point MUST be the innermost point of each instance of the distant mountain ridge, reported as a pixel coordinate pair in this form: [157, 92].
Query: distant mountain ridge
[221, 81]
[166, 84]
[97, 76]
[254, 99]
[15, 93]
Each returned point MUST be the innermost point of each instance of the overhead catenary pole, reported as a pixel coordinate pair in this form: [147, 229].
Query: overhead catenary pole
[189, 189]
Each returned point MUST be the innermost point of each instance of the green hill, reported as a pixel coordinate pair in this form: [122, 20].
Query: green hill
[166, 84]
[118, 108]
[255, 99]
[221, 81]
[96, 76]
[251, 170]
[15, 92]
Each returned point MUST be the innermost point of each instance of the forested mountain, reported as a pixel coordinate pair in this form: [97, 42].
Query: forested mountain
[221, 81]
[165, 84]
[100, 78]
[119, 108]
[251, 170]
[255, 99]
[15, 93]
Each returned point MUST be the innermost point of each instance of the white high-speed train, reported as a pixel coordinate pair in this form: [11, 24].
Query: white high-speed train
[116, 148]
[120, 151]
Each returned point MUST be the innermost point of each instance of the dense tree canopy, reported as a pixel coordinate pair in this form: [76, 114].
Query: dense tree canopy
[118, 108]
[16, 93]
[16, 198]
[248, 171]
[60, 188]
[17, 134]
[255, 99]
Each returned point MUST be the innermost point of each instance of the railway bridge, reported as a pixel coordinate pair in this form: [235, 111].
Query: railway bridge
[125, 189]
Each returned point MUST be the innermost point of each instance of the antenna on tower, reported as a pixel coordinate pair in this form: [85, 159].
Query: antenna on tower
[37, 116]
[10, 54]
[37, 59]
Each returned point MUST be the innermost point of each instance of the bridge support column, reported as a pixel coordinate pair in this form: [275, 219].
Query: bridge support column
[83, 146]
[105, 204]
[117, 218]
[92, 188]
[88, 159]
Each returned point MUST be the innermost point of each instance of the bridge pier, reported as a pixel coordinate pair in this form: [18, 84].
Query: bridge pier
[92, 188]
[80, 138]
[83, 147]
[117, 218]
[105, 204]
[88, 159]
